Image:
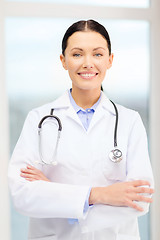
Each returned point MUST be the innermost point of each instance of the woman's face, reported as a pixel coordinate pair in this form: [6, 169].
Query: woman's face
[87, 59]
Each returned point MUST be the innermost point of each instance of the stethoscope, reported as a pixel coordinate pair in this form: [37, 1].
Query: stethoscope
[115, 155]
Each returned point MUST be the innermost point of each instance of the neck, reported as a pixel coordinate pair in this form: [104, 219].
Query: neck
[85, 98]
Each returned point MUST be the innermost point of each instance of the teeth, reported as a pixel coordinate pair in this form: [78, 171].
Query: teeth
[87, 75]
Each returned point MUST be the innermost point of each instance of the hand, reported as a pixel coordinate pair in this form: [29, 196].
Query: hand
[31, 173]
[122, 194]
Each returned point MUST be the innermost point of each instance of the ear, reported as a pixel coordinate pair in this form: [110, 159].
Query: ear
[110, 61]
[62, 58]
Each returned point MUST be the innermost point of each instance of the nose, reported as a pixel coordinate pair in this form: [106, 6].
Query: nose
[88, 63]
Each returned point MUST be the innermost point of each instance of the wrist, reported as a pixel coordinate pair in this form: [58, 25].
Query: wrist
[95, 195]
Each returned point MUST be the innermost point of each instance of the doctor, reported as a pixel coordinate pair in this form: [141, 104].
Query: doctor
[80, 193]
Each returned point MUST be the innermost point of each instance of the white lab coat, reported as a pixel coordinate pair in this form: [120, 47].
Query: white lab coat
[82, 162]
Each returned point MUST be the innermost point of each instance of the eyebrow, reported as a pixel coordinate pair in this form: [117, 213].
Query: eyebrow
[98, 48]
[80, 49]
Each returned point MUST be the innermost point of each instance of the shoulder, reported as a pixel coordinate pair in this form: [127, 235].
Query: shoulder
[59, 103]
[123, 112]
[128, 119]
[126, 112]
[131, 121]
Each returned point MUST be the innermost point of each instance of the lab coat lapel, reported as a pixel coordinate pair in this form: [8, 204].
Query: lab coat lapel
[97, 116]
[71, 113]
[104, 106]
[64, 102]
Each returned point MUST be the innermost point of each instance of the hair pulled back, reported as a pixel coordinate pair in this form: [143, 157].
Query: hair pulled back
[84, 26]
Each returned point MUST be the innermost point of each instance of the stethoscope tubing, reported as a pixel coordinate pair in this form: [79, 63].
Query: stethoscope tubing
[116, 125]
[53, 158]
[115, 155]
[50, 116]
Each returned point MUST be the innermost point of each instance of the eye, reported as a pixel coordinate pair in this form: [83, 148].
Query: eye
[98, 55]
[76, 55]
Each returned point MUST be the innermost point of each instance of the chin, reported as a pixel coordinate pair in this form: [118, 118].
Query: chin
[86, 88]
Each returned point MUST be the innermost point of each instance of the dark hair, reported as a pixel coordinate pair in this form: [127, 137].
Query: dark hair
[85, 26]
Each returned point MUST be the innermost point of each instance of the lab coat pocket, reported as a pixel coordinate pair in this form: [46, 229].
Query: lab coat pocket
[126, 237]
[114, 171]
[51, 237]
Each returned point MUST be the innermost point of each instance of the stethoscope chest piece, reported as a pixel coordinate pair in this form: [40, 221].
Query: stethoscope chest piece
[115, 155]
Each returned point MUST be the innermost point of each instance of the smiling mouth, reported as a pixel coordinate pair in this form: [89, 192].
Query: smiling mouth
[88, 75]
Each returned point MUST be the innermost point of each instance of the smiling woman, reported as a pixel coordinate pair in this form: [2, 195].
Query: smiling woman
[87, 59]
[86, 54]
[57, 198]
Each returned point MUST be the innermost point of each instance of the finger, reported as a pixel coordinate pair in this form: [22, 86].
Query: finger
[34, 170]
[33, 176]
[141, 198]
[144, 190]
[26, 175]
[31, 167]
[38, 175]
[30, 179]
[29, 171]
[25, 170]
[138, 183]
[135, 206]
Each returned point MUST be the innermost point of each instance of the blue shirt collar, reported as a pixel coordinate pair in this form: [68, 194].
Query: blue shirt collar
[78, 108]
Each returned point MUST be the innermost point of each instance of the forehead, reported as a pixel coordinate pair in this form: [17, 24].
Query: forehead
[88, 39]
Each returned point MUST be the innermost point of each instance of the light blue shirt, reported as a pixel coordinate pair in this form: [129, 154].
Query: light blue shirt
[85, 116]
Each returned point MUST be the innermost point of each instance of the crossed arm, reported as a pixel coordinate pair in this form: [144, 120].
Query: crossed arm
[118, 194]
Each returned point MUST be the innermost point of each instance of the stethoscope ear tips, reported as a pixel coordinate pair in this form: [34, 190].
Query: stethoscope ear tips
[115, 155]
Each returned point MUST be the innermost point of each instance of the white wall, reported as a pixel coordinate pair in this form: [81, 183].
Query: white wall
[4, 140]
[155, 116]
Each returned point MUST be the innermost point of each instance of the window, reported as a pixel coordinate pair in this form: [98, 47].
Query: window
[112, 3]
[35, 75]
